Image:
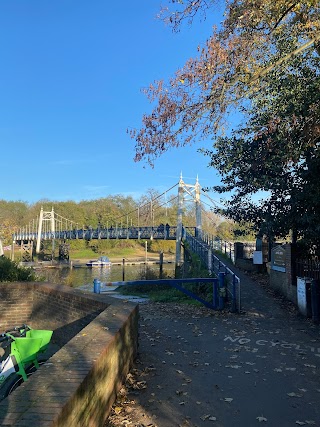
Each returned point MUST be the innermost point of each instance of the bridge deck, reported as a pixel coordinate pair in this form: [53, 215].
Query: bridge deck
[161, 233]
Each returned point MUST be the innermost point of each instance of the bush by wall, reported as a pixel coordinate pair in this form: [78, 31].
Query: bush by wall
[11, 272]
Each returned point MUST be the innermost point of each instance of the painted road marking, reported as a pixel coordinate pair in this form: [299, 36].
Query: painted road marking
[270, 343]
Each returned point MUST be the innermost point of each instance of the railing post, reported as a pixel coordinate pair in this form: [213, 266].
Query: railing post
[222, 290]
[234, 295]
[215, 293]
[210, 260]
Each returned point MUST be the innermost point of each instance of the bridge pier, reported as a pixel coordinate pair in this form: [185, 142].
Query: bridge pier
[27, 251]
[64, 249]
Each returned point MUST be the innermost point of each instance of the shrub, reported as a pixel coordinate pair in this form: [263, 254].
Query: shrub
[11, 272]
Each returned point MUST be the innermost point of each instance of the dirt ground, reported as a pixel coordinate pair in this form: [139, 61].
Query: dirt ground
[197, 367]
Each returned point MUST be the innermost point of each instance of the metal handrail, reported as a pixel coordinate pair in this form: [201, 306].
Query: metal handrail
[214, 264]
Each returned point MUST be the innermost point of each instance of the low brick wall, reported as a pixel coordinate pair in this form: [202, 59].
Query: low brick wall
[45, 304]
[77, 385]
[16, 302]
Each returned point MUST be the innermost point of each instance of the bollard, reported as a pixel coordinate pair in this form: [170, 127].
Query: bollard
[96, 286]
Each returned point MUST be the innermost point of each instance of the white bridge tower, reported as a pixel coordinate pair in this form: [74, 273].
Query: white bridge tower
[48, 217]
[194, 192]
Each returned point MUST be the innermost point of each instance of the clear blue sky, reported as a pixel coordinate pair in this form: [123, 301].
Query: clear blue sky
[70, 85]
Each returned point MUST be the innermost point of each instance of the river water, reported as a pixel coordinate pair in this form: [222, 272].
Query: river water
[83, 277]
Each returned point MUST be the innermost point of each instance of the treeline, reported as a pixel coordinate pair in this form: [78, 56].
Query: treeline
[114, 210]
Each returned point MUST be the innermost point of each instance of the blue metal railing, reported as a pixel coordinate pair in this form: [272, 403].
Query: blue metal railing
[215, 266]
[160, 232]
[224, 246]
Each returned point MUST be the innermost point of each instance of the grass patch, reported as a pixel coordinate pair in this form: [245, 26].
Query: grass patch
[168, 294]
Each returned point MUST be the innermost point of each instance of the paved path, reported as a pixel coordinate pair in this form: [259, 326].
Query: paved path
[199, 368]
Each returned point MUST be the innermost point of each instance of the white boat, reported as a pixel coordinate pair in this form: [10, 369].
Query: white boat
[101, 262]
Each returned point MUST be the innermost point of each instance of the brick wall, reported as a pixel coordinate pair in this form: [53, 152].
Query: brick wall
[16, 301]
[78, 384]
[44, 305]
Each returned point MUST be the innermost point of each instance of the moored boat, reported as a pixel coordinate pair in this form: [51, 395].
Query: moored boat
[101, 262]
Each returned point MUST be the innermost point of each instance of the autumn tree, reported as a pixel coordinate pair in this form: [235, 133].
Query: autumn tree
[264, 61]
[195, 102]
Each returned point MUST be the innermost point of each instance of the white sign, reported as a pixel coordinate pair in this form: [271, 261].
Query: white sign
[257, 257]
[302, 295]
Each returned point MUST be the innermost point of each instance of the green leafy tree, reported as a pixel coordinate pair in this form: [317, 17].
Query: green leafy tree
[277, 151]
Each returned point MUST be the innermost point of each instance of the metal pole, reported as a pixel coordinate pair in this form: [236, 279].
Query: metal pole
[123, 269]
[210, 261]
[161, 265]
[234, 294]
[215, 293]
[146, 257]
[179, 223]
[221, 290]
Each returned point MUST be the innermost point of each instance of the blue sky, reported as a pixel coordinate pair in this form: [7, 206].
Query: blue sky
[70, 85]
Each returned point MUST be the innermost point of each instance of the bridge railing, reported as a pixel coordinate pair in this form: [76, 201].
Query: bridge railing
[229, 282]
[163, 232]
[224, 246]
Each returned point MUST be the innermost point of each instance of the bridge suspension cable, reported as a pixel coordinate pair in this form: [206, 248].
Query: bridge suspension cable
[150, 202]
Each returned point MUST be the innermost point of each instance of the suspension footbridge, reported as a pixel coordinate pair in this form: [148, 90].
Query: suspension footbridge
[51, 226]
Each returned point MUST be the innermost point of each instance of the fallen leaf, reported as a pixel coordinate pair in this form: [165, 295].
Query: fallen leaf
[205, 417]
[261, 419]
[228, 399]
